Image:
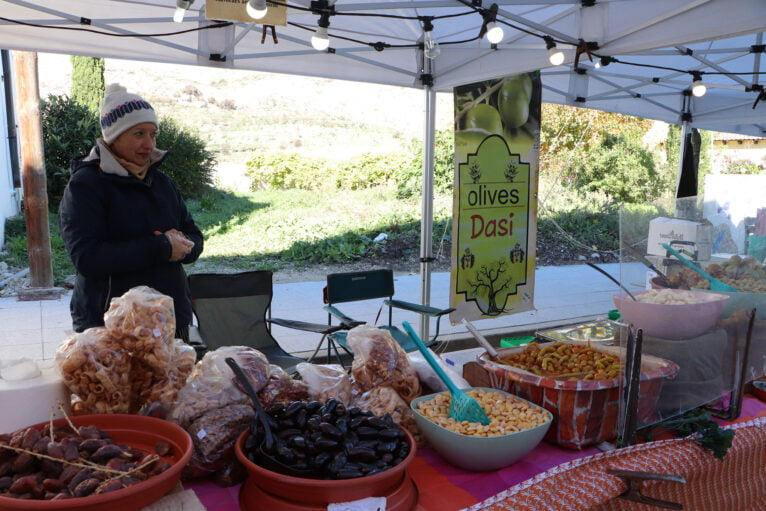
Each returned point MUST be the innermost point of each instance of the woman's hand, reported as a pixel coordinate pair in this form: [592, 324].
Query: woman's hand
[180, 244]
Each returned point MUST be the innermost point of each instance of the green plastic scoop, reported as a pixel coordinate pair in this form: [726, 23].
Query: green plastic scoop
[462, 407]
[715, 284]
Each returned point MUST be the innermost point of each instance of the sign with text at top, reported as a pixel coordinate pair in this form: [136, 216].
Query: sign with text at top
[235, 10]
[494, 228]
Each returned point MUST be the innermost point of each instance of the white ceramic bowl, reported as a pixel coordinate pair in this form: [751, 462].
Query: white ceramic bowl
[672, 321]
[479, 453]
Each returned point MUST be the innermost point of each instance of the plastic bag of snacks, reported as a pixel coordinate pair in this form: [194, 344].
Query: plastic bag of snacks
[282, 387]
[380, 361]
[213, 435]
[326, 381]
[212, 382]
[150, 386]
[382, 400]
[96, 368]
[145, 320]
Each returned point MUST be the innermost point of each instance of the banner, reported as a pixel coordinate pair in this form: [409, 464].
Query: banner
[494, 229]
[234, 10]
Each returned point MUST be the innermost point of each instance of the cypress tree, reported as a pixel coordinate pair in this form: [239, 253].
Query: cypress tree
[88, 82]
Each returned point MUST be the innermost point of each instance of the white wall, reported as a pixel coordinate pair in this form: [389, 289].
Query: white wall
[8, 201]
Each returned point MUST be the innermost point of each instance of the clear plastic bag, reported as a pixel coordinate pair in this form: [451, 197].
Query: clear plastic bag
[212, 383]
[145, 321]
[384, 399]
[326, 381]
[380, 361]
[282, 388]
[96, 368]
[153, 389]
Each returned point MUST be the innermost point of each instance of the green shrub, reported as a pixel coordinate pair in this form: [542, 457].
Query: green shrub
[621, 168]
[15, 226]
[409, 178]
[189, 162]
[283, 171]
[69, 130]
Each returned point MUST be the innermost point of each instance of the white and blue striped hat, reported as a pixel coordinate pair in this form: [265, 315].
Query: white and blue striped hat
[121, 110]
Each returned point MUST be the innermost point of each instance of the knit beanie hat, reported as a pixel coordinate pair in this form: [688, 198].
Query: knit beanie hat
[121, 110]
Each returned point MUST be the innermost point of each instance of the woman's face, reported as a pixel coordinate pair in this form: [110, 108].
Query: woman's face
[136, 144]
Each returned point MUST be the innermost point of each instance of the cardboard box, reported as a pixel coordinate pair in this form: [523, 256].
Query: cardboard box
[693, 239]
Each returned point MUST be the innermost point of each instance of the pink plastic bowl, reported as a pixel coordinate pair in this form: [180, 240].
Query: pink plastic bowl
[672, 321]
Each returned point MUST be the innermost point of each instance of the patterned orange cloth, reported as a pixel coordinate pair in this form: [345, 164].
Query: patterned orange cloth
[737, 483]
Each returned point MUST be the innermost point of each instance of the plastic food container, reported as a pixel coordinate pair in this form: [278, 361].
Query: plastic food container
[137, 431]
[584, 411]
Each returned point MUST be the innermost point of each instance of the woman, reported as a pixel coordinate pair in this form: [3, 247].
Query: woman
[123, 221]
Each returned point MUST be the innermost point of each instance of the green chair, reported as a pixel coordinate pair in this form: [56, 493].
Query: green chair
[369, 285]
[232, 310]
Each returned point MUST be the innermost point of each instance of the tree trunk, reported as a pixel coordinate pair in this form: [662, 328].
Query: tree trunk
[33, 169]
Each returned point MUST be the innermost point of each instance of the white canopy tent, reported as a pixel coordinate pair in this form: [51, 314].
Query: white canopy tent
[378, 41]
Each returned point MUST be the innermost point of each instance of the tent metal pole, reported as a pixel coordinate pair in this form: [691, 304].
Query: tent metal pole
[427, 209]
[681, 153]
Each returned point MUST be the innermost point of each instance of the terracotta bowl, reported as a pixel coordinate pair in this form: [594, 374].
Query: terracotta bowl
[297, 493]
[137, 431]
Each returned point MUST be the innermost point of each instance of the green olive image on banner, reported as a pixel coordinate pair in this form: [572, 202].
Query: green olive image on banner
[466, 142]
[484, 117]
[513, 101]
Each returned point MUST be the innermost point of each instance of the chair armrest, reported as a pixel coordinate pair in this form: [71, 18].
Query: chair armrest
[347, 323]
[307, 327]
[421, 309]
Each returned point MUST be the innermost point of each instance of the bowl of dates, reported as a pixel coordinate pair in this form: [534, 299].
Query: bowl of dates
[91, 463]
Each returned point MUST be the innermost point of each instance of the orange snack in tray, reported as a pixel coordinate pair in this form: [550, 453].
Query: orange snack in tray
[566, 361]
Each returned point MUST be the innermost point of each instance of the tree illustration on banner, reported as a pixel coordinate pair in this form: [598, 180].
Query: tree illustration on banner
[497, 126]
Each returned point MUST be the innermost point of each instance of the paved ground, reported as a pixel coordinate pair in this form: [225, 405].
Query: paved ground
[562, 294]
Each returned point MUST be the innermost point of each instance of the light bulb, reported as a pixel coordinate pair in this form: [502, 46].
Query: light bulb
[698, 88]
[431, 48]
[555, 56]
[320, 40]
[178, 16]
[256, 9]
[494, 32]
[181, 7]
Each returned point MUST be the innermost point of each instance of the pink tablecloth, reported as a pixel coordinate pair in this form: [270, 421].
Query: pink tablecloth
[443, 487]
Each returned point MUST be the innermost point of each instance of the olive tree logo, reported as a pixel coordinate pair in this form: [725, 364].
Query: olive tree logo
[475, 172]
[487, 285]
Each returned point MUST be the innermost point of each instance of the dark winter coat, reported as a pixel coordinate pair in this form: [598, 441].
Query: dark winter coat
[107, 221]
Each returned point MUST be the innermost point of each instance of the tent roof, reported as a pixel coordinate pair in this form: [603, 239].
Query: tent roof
[720, 34]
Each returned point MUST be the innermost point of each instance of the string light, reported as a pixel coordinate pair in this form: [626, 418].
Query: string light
[495, 32]
[430, 47]
[256, 9]
[698, 88]
[555, 56]
[603, 62]
[492, 30]
[321, 40]
[181, 7]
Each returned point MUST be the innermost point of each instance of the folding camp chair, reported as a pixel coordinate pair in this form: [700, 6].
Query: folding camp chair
[368, 285]
[231, 309]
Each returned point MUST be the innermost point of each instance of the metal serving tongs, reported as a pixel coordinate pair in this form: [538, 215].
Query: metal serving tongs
[481, 340]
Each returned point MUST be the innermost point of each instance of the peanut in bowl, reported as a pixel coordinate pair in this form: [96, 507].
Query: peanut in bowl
[516, 427]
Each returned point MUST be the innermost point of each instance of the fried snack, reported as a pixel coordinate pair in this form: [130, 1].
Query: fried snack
[380, 361]
[282, 388]
[507, 414]
[149, 385]
[96, 368]
[326, 381]
[145, 321]
[565, 361]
